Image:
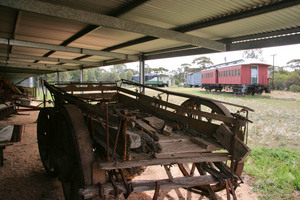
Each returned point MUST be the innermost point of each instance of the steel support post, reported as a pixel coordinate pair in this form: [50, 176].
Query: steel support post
[57, 77]
[142, 73]
[81, 78]
[81, 75]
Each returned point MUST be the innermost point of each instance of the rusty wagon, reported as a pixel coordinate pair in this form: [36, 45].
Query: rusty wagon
[99, 136]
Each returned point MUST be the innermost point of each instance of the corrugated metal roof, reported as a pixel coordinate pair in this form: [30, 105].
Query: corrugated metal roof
[210, 20]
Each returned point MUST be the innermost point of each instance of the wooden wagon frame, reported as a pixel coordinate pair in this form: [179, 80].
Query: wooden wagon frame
[98, 136]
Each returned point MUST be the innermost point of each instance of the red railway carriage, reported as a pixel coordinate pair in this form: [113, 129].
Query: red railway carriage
[210, 79]
[210, 76]
[243, 78]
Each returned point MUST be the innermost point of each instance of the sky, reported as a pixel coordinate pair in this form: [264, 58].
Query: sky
[283, 54]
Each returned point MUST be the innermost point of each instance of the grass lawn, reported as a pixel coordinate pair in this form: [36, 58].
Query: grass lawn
[274, 138]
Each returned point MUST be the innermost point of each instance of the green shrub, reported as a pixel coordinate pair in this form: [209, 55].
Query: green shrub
[295, 88]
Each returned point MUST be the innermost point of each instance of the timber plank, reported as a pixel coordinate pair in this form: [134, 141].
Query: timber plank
[204, 157]
[147, 129]
[181, 147]
[203, 143]
[226, 137]
[155, 122]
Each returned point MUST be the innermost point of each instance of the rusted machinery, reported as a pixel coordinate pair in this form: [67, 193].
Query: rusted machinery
[97, 137]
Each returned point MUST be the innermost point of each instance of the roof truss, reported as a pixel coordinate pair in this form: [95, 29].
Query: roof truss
[37, 45]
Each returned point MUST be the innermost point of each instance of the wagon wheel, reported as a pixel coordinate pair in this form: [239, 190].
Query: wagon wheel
[206, 106]
[188, 170]
[46, 130]
[74, 154]
[211, 107]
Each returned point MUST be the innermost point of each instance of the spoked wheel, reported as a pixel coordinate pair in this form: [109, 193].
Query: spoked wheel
[188, 170]
[46, 130]
[206, 106]
[74, 152]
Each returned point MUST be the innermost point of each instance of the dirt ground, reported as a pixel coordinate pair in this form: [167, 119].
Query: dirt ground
[23, 176]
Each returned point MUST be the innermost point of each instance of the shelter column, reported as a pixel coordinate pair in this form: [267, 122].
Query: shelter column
[142, 72]
[81, 75]
[57, 76]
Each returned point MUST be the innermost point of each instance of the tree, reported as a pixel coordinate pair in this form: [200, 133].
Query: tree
[253, 54]
[51, 77]
[295, 64]
[203, 62]
[91, 77]
[119, 68]
[160, 70]
[148, 70]
[64, 76]
[129, 75]
[186, 66]
[180, 75]
[75, 75]
[293, 79]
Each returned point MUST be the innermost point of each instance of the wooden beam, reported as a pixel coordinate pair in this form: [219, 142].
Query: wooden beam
[204, 157]
[226, 137]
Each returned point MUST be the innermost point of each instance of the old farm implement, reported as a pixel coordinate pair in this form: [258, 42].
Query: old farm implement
[99, 136]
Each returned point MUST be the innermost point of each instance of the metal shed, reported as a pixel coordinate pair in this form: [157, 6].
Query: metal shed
[38, 36]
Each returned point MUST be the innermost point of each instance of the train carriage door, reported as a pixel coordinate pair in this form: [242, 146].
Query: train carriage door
[254, 74]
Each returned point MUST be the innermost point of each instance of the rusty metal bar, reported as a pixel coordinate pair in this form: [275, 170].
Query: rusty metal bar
[107, 134]
[184, 95]
[125, 138]
[117, 138]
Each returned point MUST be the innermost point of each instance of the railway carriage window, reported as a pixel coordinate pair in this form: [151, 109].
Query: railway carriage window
[212, 75]
[235, 73]
[229, 73]
[226, 73]
[239, 72]
[232, 72]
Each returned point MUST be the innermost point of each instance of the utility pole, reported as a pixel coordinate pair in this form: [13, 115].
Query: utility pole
[273, 73]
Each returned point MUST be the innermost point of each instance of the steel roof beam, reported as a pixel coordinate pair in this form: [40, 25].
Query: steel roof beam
[14, 69]
[39, 65]
[267, 42]
[271, 39]
[111, 22]
[67, 49]
[79, 34]
[51, 59]
[117, 12]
